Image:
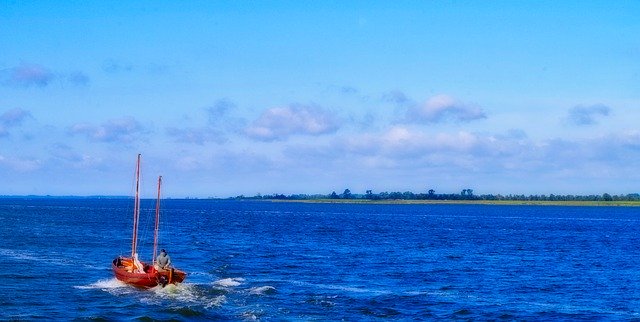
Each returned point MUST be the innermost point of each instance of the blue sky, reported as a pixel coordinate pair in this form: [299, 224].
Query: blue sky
[236, 97]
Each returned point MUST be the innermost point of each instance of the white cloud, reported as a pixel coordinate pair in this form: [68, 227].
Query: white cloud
[442, 108]
[279, 123]
[495, 163]
[401, 141]
[122, 130]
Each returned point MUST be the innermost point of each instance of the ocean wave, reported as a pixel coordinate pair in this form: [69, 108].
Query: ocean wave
[229, 282]
[344, 288]
[51, 259]
[19, 255]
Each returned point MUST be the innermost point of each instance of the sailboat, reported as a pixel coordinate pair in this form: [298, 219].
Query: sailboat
[131, 270]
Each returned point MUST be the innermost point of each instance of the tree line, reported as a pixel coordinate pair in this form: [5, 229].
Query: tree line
[465, 194]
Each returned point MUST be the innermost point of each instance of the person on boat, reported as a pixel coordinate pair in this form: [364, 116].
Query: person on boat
[163, 262]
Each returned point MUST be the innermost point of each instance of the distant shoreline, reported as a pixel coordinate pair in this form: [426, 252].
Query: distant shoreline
[469, 202]
[590, 203]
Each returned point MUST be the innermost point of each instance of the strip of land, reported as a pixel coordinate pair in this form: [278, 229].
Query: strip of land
[471, 202]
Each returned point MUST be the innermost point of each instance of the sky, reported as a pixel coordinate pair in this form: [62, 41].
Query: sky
[227, 98]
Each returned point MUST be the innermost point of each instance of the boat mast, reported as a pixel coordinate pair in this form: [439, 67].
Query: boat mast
[136, 210]
[155, 235]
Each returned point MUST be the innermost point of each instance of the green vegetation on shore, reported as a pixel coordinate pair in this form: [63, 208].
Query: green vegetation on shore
[467, 202]
[465, 197]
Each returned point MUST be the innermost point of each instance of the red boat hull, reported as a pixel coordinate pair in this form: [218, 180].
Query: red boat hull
[149, 278]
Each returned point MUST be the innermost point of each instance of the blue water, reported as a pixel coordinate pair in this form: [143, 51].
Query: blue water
[290, 261]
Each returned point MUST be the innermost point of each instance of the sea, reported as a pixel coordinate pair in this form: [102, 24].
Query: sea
[283, 261]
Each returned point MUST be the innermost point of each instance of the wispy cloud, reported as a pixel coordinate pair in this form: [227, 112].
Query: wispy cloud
[402, 142]
[12, 118]
[64, 152]
[114, 66]
[198, 136]
[279, 123]
[397, 97]
[219, 122]
[66, 155]
[122, 130]
[77, 78]
[346, 90]
[27, 75]
[441, 108]
[583, 115]
[630, 139]
[35, 75]
[20, 164]
[219, 110]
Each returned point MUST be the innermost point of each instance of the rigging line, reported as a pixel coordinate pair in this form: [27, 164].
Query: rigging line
[128, 209]
[146, 223]
[136, 210]
[163, 236]
[157, 223]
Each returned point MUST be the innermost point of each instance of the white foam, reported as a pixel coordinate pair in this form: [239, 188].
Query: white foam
[251, 316]
[215, 302]
[261, 290]
[188, 293]
[185, 293]
[229, 282]
[112, 283]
